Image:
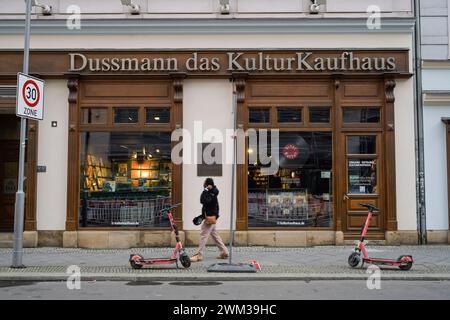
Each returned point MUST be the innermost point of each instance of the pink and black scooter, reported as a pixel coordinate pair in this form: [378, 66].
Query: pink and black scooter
[404, 262]
[137, 261]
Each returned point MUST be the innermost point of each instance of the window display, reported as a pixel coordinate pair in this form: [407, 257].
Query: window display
[125, 178]
[299, 194]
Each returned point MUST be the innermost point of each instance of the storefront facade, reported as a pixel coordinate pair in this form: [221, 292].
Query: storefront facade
[340, 103]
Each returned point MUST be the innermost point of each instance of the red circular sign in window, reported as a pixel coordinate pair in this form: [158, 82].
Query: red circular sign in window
[290, 151]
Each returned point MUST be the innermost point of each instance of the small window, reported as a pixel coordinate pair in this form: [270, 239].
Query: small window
[157, 115]
[126, 115]
[319, 115]
[94, 115]
[362, 145]
[259, 115]
[289, 115]
[361, 115]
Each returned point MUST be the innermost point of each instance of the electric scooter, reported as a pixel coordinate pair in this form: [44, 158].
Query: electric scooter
[137, 261]
[403, 262]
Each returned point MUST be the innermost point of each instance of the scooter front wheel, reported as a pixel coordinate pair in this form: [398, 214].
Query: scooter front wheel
[185, 260]
[354, 259]
[134, 261]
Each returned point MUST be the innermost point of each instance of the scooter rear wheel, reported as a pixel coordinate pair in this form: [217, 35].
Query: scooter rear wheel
[406, 266]
[354, 259]
[135, 265]
[185, 260]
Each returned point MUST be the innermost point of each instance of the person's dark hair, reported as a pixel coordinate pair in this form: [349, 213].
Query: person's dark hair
[208, 181]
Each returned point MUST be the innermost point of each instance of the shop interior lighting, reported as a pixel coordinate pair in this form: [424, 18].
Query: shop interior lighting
[134, 8]
[46, 9]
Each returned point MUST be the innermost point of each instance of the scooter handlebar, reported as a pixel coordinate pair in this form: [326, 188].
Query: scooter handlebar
[166, 209]
[370, 207]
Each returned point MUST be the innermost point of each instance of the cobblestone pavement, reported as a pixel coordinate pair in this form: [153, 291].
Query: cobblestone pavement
[327, 262]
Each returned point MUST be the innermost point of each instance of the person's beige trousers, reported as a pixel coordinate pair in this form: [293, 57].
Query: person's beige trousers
[206, 231]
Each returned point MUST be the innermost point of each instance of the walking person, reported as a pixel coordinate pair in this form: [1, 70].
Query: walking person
[210, 214]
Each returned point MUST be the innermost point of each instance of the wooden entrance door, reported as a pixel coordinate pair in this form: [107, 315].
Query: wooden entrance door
[9, 161]
[362, 183]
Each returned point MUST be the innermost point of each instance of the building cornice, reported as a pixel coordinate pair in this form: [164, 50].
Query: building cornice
[436, 97]
[436, 64]
[208, 26]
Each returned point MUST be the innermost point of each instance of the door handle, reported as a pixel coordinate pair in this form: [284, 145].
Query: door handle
[345, 197]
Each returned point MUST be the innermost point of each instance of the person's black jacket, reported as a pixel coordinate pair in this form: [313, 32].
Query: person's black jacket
[210, 203]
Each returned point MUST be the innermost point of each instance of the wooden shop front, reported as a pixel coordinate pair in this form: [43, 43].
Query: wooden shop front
[333, 109]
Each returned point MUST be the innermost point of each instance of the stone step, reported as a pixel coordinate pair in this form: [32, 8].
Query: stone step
[6, 243]
[6, 236]
[367, 242]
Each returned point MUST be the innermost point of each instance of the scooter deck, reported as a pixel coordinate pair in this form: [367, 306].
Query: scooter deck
[380, 261]
[156, 260]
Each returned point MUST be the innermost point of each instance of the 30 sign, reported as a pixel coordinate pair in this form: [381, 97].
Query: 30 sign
[30, 97]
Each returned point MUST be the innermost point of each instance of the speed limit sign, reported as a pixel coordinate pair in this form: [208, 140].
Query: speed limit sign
[30, 97]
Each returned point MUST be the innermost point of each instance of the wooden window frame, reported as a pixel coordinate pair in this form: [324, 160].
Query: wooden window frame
[365, 156]
[78, 100]
[304, 126]
[379, 93]
[319, 124]
[364, 125]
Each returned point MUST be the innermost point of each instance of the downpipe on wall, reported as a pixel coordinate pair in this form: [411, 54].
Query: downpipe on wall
[419, 138]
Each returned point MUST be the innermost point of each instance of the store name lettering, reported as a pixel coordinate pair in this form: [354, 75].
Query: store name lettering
[234, 61]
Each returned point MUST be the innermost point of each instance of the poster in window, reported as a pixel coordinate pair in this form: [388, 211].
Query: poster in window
[273, 200]
[362, 176]
[123, 169]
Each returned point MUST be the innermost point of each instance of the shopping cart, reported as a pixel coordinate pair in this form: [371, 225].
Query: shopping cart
[132, 212]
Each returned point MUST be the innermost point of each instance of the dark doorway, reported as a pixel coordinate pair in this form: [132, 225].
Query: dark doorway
[9, 160]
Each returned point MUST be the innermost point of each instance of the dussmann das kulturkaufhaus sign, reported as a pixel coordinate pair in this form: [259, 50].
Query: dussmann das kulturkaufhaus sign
[220, 62]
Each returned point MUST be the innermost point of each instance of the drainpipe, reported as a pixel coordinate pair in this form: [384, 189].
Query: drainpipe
[419, 139]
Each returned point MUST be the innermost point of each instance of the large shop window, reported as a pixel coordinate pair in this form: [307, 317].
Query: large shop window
[126, 177]
[300, 193]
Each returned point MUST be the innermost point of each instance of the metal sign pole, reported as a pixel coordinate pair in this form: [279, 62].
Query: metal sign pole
[20, 194]
[233, 267]
[233, 173]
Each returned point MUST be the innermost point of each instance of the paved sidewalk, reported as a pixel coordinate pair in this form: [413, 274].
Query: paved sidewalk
[316, 263]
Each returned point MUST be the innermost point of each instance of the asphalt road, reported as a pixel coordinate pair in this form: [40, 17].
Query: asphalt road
[257, 290]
